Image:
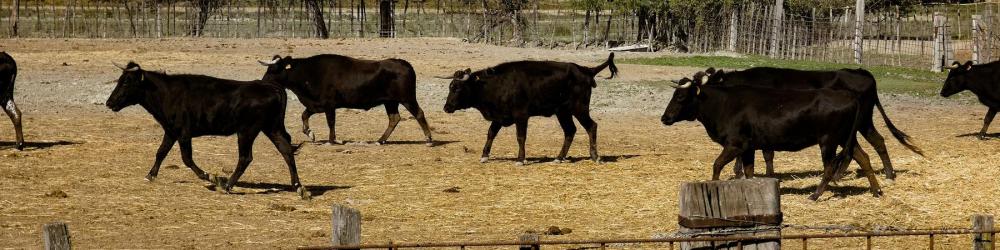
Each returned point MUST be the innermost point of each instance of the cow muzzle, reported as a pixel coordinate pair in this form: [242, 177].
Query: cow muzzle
[449, 109]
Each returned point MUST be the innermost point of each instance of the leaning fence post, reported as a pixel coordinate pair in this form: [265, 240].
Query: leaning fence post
[749, 207]
[529, 237]
[982, 241]
[346, 226]
[55, 236]
[938, 46]
[976, 37]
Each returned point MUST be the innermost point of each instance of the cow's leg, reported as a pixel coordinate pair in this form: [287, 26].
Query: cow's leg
[569, 130]
[829, 170]
[591, 127]
[727, 155]
[15, 117]
[392, 109]
[305, 125]
[283, 142]
[738, 169]
[331, 121]
[862, 158]
[186, 156]
[490, 135]
[878, 142]
[986, 122]
[418, 114]
[161, 153]
[769, 161]
[747, 159]
[245, 141]
[522, 136]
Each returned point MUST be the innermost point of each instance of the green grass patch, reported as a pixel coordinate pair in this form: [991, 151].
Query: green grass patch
[890, 79]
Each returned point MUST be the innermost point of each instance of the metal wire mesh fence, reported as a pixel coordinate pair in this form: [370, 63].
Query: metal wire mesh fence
[914, 37]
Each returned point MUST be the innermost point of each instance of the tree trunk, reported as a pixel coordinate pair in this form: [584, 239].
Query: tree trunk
[318, 20]
[131, 19]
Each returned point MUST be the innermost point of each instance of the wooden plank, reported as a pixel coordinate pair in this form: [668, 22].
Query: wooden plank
[723, 205]
[346, 226]
[55, 236]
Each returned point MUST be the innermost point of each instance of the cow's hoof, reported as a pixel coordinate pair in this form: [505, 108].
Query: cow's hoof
[221, 184]
[429, 144]
[312, 136]
[150, 178]
[304, 193]
[380, 143]
[19, 147]
[519, 163]
[877, 193]
[558, 161]
[814, 197]
[484, 159]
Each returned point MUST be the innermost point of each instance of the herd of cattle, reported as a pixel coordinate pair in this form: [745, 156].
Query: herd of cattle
[767, 109]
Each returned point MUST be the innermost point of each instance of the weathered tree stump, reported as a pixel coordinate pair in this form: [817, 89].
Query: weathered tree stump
[346, 226]
[731, 208]
[55, 236]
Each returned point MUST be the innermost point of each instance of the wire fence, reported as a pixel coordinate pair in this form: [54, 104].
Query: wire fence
[889, 36]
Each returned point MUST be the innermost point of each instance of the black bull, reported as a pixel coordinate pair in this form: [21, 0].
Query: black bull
[8, 73]
[189, 106]
[860, 82]
[324, 83]
[982, 81]
[510, 93]
[743, 119]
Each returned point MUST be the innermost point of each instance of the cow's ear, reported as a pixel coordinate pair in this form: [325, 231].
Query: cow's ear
[468, 70]
[276, 57]
[710, 71]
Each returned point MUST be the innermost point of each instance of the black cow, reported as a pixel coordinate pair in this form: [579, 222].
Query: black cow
[324, 83]
[858, 81]
[189, 106]
[8, 73]
[743, 119]
[512, 92]
[981, 80]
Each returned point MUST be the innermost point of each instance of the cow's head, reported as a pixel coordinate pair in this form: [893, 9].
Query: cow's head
[958, 78]
[130, 88]
[683, 105]
[461, 91]
[278, 69]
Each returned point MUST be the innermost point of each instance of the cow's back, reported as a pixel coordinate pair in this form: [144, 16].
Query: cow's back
[534, 88]
[205, 105]
[341, 81]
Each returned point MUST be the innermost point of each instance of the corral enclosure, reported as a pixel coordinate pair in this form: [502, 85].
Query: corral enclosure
[84, 164]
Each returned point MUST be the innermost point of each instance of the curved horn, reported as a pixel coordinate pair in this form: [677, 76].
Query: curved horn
[954, 65]
[445, 77]
[465, 77]
[123, 67]
[268, 63]
[118, 65]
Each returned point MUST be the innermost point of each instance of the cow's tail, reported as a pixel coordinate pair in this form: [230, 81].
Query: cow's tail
[843, 159]
[610, 64]
[903, 138]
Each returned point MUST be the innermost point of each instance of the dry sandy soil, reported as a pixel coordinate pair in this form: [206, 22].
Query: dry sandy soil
[98, 158]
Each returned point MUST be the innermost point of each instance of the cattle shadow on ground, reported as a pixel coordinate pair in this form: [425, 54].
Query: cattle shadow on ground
[988, 136]
[794, 175]
[571, 159]
[372, 143]
[28, 145]
[837, 191]
[272, 188]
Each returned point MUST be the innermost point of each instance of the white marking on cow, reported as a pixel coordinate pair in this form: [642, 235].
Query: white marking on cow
[11, 108]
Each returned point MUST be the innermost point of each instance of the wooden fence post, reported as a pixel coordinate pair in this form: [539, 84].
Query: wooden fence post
[859, 22]
[750, 207]
[976, 37]
[346, 226]
[937, 58]
[981, 222]
[529, 237]
[779, 13]
[55, 236]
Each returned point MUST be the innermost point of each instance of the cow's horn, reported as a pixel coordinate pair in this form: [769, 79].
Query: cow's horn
[677, 84]
[444, 77]
[465, 77]
[272, 62]
[118, 65]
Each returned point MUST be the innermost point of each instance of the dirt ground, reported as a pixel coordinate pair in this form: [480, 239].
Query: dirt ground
[84, 164]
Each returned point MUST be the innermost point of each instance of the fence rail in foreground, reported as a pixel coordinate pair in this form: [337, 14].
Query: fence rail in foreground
[604, 242]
